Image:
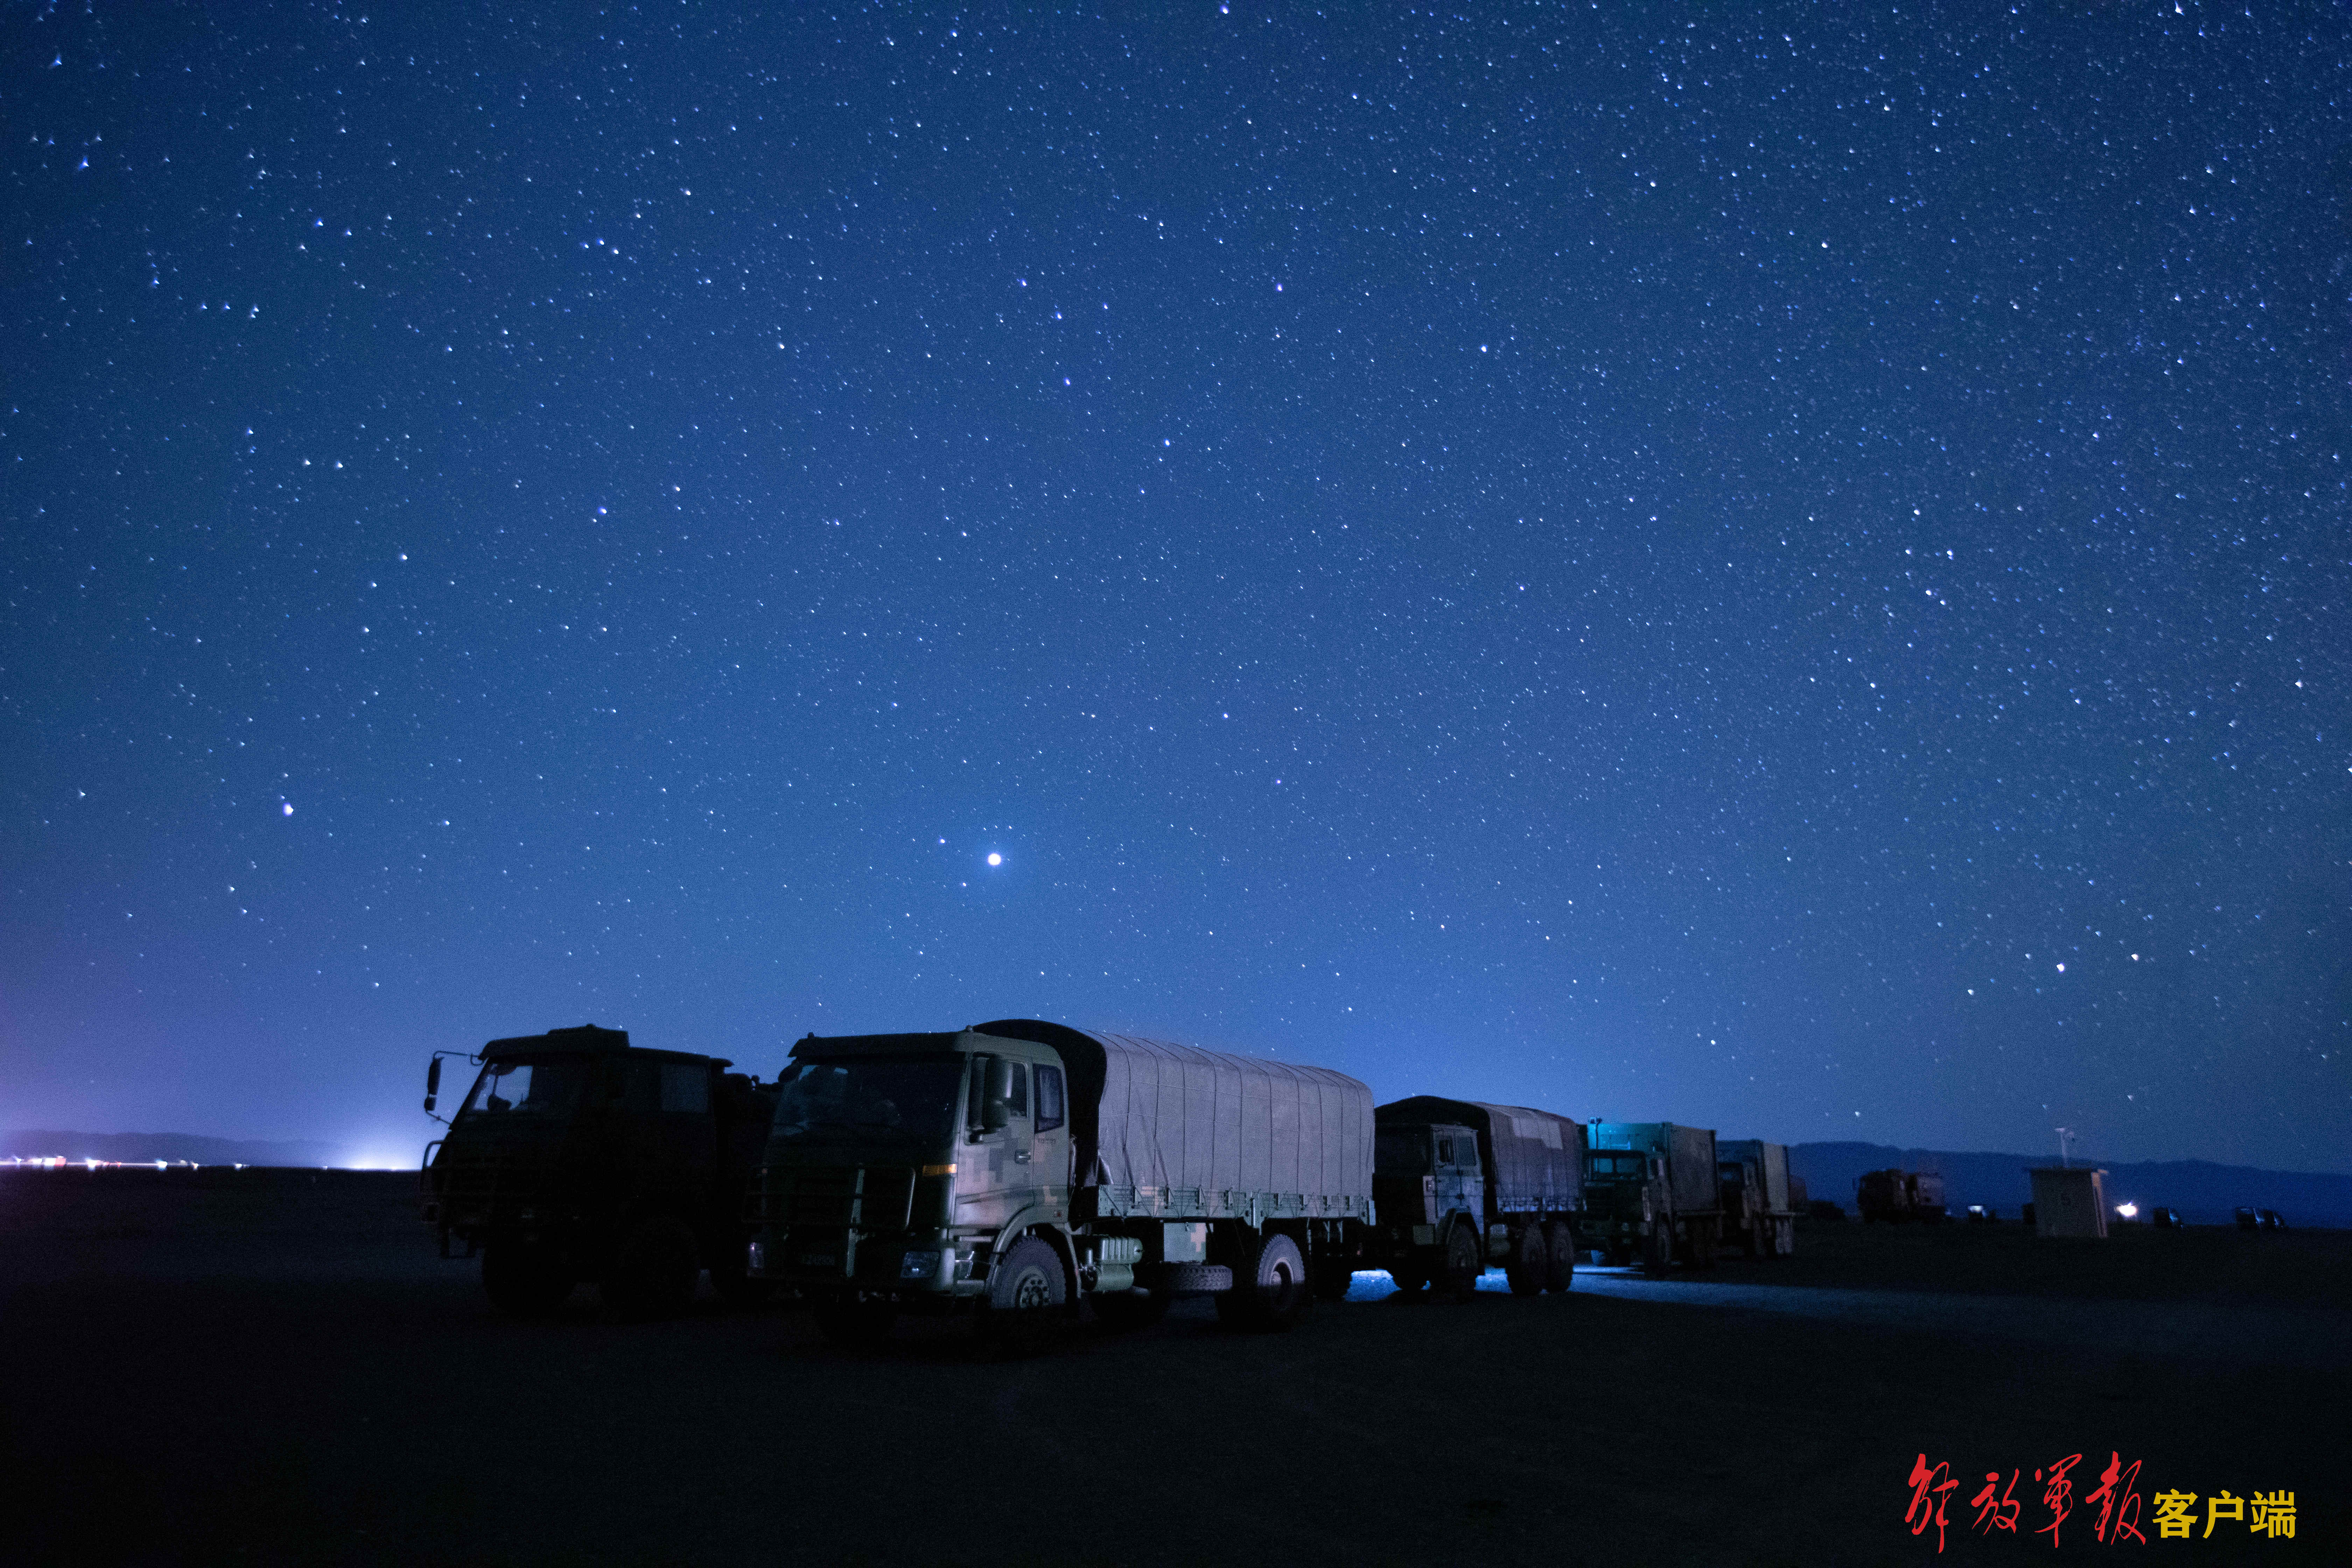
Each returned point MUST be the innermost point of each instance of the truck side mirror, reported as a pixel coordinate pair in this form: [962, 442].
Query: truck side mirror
[996, 1105]
[433, 1083]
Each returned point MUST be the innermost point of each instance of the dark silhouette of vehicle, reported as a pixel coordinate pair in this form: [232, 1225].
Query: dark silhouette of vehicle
[1462, 1185]
[1759, 1210]
[2164, 1218]
[2260, 1219]
[577, 1157]
[1983, 1214]
[1650, 1193]
[1895, 1196]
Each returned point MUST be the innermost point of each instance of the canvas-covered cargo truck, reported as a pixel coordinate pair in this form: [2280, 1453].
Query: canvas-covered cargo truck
[578, 1156]
[1462, 1185]
[1758, 1197]
[1015, 1169]
[1650, 1193]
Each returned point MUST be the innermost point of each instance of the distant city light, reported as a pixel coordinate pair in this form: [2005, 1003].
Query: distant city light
[2130, 1211]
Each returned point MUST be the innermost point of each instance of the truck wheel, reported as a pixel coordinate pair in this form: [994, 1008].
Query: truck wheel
[1027, 1295]
[1464, 1263]
[1331, 1277]
[1560, 1256]
[1530, 1261]
[1659, 1255]
[1270, 1290]
[1703, 1246]
[653, 1270]
[523, 1281]
[1123, 1310]
[1412, 1278]
[855, 1322]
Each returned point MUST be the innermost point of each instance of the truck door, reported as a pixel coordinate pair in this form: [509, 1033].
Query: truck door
[995, 1171]
[1461, 1187]
[671, 1135]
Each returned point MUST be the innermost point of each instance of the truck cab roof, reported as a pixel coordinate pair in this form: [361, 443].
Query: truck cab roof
[585, 1039]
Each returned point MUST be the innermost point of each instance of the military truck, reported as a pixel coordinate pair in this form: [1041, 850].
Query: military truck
[577, 1156]
[1895, 1196]
[1460, 1185]
[1650, 1192]
[1758, 1197]
[1014, 1169]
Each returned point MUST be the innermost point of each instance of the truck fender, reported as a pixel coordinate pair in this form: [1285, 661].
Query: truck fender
[1035, 1220]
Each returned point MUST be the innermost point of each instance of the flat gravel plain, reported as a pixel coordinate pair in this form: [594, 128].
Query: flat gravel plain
[273, 1367]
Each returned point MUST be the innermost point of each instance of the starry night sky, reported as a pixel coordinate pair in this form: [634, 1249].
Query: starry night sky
[1784, 570]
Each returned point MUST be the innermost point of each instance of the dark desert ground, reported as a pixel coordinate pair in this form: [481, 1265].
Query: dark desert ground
[226, 1366]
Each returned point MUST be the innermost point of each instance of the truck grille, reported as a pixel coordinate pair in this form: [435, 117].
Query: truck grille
[861, 1197]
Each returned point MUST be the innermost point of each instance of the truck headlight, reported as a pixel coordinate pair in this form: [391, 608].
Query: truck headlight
[919, 1265]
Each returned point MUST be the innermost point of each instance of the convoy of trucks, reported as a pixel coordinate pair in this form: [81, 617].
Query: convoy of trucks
[1019, 1171]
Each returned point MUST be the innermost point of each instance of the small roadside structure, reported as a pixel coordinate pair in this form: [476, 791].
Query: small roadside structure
[2070, 1201]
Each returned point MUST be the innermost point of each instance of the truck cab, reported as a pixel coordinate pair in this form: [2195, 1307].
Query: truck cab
[1625, 1193]
[896, 1164]
[578, 1156]
[1431, 1189]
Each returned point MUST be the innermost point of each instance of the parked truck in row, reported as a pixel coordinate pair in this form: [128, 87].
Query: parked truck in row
[1897, 1195]
[1461, 1185]
[577, 1156]
[1014, 1169]
[1759, 1197]
[1650, 1194]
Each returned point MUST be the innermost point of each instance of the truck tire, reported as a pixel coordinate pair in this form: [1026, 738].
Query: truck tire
[1464, 1263]
[855, 1322]
[1124, 1311]
[1412, 1278]
[1560, 1256]
[1028, 1299]
[654, 1271]
[1703, 1244]
[1331, 1277]
[524, 1280]
[1270, 1291]
[1531, 1260]
[1658, 1256]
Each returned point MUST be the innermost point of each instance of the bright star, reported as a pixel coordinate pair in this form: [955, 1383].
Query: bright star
[995, 860]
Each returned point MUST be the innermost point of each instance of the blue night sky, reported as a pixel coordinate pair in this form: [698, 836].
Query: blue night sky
[1782, 569]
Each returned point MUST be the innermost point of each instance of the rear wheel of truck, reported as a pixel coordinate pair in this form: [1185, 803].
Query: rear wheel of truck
[1464, 1263]
[524, 1280]
[855, 1322]
[1560, 1256]
[1659, 1254]
[654, 1271]
[1530, 1261]
[1027, 1299]
[1411, 1279]
[1270, 1289]
[1331, 1277]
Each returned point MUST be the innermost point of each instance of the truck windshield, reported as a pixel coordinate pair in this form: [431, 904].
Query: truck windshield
[547, 1086]
[903, 1097]
[1615, 1167]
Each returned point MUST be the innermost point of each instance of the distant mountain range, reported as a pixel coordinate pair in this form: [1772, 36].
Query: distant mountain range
[142, 1148]
[2205, 1193]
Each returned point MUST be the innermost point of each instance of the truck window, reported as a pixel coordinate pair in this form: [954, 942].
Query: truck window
[1049, 1099]
[686, 1086]
[1446, 1151]
[1401, 1151]
[547, 1087]
[1019, 1098]
[910, 1097]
